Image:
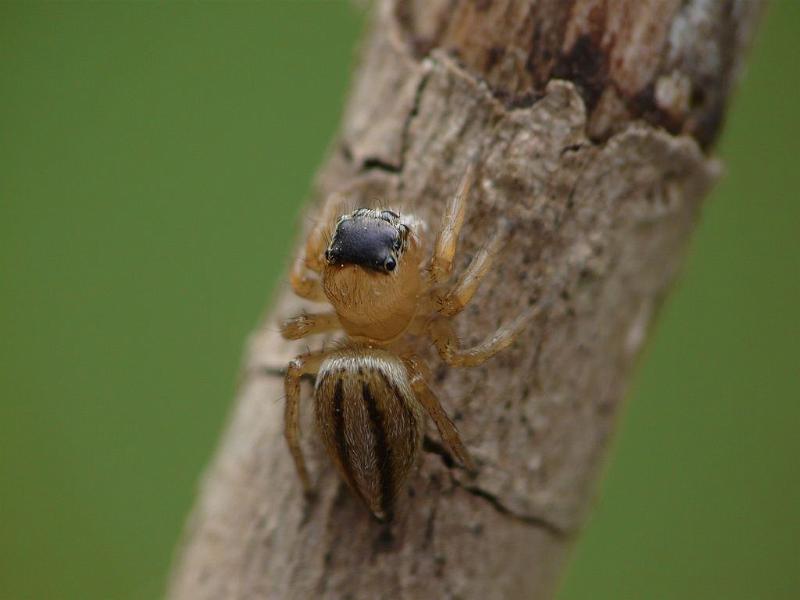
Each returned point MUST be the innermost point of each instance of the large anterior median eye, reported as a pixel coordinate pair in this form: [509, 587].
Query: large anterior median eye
[390, 264]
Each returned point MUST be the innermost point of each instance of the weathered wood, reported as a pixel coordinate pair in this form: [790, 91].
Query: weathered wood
[592, 119]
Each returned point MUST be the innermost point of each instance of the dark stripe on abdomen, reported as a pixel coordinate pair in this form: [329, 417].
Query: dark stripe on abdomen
[383, 454]
[339, 432]
[411, 420]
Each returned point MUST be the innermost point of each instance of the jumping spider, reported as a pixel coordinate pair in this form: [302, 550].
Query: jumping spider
[370, 392]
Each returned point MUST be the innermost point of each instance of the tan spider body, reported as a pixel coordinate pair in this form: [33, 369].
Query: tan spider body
[370, 392]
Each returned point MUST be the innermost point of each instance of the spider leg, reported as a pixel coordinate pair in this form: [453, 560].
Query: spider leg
[304, 364]
[280, 373]
[459, 295]
[433, 407]
[449, 347]
[310, 260]
[304, 283]
[308, 324]
[441, 264]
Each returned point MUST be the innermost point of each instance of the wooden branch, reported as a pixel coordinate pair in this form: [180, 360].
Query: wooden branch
[591, 118]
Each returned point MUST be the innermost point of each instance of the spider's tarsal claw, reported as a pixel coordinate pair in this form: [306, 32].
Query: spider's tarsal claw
[469, 465]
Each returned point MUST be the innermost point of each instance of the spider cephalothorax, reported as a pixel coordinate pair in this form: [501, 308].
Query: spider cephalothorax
[371, 393]
[371, 274]
[372, 239]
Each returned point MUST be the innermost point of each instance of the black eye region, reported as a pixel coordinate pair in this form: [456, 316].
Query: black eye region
[366, 242]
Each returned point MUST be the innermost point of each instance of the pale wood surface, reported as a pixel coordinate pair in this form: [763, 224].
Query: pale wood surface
[593, 120]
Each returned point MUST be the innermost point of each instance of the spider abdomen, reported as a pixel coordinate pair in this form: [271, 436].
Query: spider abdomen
[370, 422]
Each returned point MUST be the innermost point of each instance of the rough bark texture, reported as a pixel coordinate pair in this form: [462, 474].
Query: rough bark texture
[592, 118]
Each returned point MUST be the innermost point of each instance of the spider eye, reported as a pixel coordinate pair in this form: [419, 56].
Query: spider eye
[398, 243]
[390, 264]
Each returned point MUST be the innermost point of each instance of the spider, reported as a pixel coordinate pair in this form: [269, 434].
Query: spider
[370, 392]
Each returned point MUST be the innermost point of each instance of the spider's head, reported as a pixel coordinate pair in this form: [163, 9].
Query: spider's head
[372, 271]
[374, 240]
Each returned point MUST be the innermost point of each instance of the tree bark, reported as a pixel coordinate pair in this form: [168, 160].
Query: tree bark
[593, 120]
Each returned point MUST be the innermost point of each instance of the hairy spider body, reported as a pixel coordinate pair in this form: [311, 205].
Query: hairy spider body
[370, 421]
[371, 393]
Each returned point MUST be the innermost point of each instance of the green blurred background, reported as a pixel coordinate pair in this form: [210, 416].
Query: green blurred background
[152, 165]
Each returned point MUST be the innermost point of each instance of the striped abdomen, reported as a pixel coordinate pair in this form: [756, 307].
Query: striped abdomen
[371, 423]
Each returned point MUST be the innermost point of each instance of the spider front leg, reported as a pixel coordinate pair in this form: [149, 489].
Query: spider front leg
[452, 220]
[304, 276]
[433, 407]
[309, 324]
[305, 364]
[457, 297]
[303, 283]
[449, 347]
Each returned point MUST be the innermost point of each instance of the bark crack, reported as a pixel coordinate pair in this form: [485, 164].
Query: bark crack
[496, 503]
[376, 163]
[433, 447]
